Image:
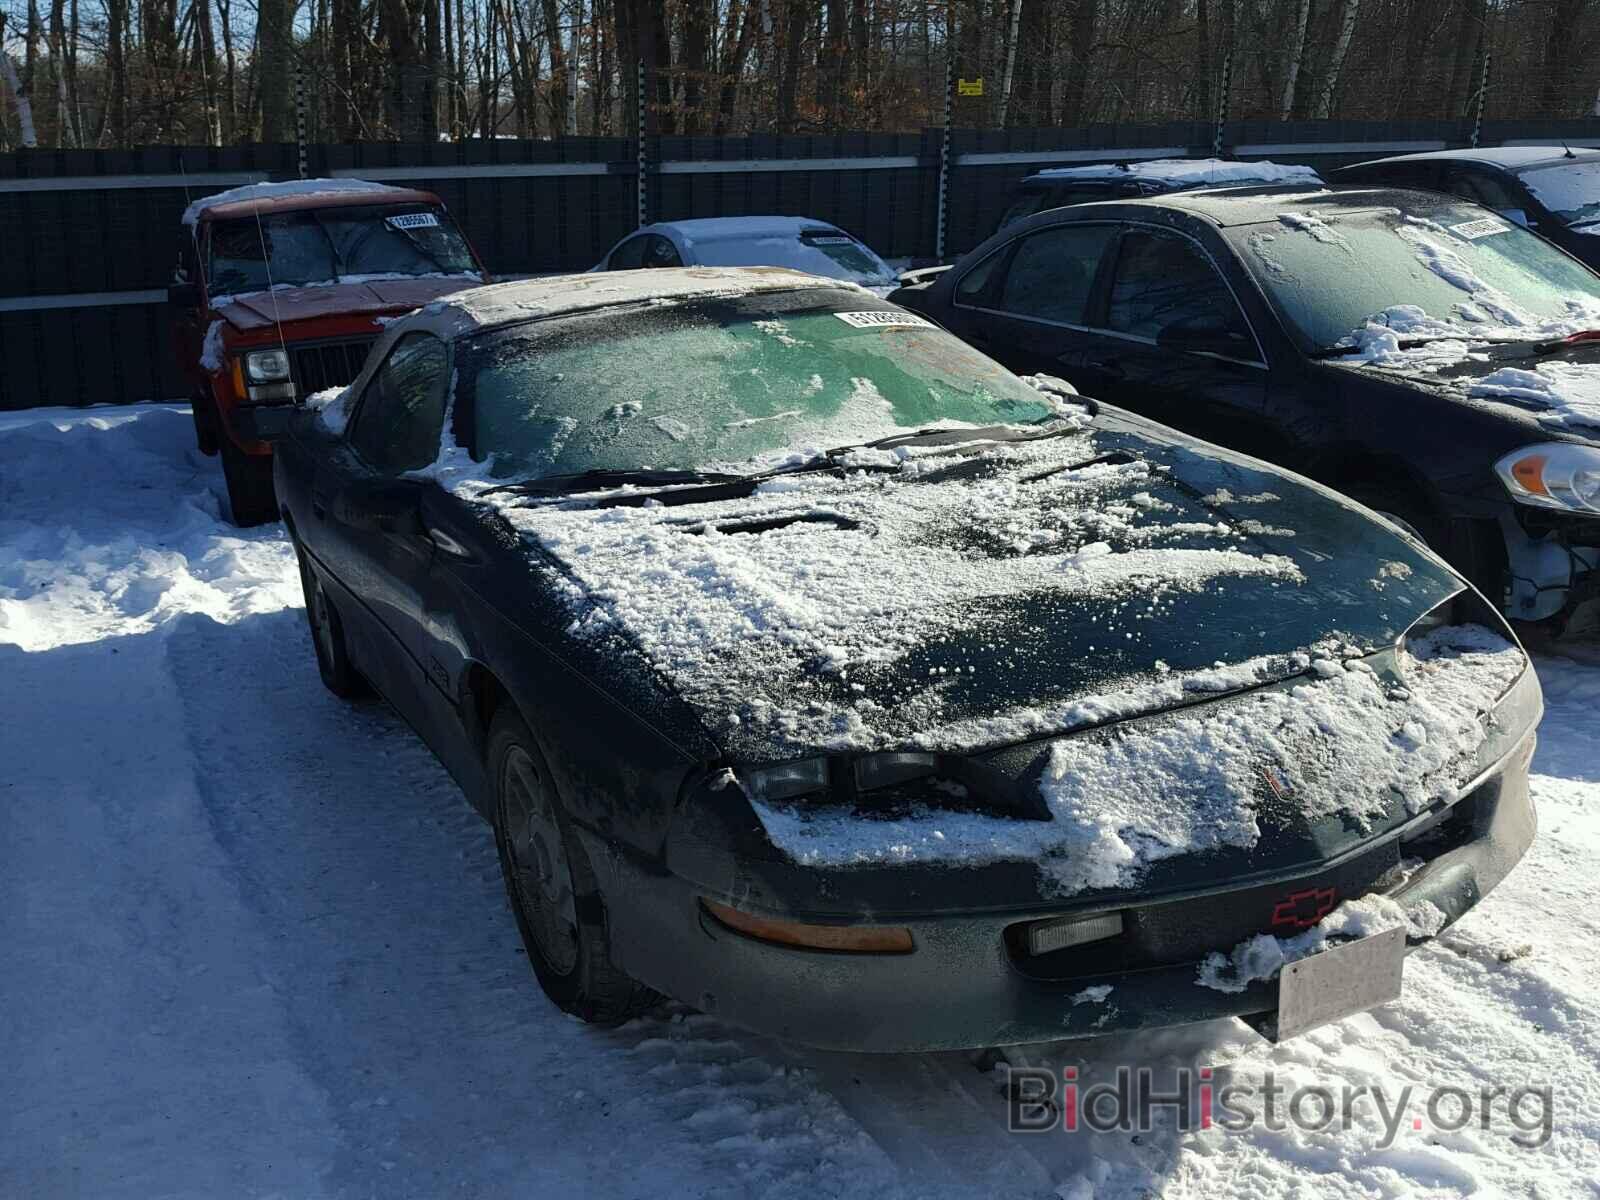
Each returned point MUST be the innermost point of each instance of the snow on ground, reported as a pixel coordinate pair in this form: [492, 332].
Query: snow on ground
[256, 943]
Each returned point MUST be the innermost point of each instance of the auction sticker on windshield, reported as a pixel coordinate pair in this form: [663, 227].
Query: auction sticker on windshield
[413, 221]
[1484, 227]
[879, 320]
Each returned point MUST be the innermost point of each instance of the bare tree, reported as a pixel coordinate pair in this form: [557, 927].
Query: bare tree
[1346, 27]
[274, 68]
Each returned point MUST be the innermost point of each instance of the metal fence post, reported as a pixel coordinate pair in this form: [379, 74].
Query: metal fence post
[944, 155]
[300, 116]
[1222, 102]
[638, 133]
[1483, 91]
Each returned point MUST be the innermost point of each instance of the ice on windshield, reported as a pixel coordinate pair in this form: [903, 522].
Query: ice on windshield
[1338, 277]
[325, 246]
[1570, 190]
[709, 391]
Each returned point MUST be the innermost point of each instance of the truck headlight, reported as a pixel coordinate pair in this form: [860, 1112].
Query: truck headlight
[266, 366]
[1560, 475]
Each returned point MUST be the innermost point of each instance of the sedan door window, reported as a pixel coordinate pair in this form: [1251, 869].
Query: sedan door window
[659, 252]
[1163, 287]
[402, 413]
[1051, 276]
[629, 256]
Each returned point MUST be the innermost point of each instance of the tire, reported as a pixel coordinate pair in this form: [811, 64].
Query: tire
[205, 425]
[551, 887]
[249, 480]
[339, 674]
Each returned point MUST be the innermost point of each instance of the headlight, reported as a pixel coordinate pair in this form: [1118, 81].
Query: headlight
[785, 781]
[1561, 475]
[266, 366]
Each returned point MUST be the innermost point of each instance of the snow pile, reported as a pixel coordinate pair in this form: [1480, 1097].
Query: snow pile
[273, 191]
[1337, 743]
[1567, 394]
[111, 521]
[1263, 956]
[865, 569]
[1192, 173]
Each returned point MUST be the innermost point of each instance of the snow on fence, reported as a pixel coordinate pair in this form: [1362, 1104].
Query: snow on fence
[90, 236]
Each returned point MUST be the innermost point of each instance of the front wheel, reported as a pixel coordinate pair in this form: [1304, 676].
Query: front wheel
[551, 887]
[339, 674]
[249, 480]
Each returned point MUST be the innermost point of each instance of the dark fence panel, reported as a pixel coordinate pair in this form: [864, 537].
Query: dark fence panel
[92, 234]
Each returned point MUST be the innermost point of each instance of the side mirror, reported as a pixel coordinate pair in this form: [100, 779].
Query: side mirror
[1204, 335]
[390, 506]
[183, 295]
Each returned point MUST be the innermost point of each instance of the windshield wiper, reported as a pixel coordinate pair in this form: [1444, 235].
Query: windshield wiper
[1413, 343]
[604, 477]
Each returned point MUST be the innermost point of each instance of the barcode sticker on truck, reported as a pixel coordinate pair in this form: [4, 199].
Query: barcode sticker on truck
[413, 221]
[880, 320]
[1483, 227]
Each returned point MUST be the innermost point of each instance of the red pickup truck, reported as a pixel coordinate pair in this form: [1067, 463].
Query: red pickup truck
[280, 290]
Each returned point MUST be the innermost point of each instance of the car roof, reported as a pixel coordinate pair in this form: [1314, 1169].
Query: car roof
[706, 229]
[299, 194]
[1510, 158]
[514, 302]
[1230, 206]
[1180, 173]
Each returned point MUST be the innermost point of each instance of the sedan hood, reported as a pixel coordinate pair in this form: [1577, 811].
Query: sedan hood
[975, 598]
[1558, 389]
[374, 296]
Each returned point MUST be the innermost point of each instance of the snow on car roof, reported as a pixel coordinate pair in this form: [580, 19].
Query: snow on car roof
[1188, 172]
[530, 299]
[1513, 158]
[291, 187]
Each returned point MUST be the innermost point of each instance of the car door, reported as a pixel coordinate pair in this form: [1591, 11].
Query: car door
[379, 550]
[1028, 303]
[1169, 339]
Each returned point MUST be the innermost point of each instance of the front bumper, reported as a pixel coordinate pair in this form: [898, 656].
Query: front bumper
[960, 987]
[262, 423]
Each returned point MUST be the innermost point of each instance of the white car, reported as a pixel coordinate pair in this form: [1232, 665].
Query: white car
[798, 243]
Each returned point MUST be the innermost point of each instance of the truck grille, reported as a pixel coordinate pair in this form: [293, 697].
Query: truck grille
[321, 365]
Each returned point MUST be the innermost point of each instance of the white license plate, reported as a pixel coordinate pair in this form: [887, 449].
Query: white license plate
[1340, 982]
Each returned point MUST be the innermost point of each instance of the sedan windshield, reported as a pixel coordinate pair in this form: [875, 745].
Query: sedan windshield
[732, 384]
[1570, 190]
[330, 245]
[826, 252]
[1328, 272]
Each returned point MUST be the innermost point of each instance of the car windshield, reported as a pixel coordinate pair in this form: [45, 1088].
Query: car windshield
[826, 252]
[1570, 190]
[728, 384]
[327, 245]
[1327, 272]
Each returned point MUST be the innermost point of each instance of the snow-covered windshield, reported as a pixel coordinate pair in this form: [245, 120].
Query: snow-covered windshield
[825, 252]
[715, 383]
[1570, 190]
[1327, 273]
[326, 245]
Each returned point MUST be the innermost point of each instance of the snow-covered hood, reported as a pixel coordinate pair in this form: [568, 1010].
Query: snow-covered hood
[1560, 390]
[373, 296]
[962, 602]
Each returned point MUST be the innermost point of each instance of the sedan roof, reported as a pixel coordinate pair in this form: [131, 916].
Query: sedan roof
[1252, 206]
[1510, 158]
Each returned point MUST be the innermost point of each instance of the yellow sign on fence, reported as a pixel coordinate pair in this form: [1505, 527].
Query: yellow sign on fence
[969, 87]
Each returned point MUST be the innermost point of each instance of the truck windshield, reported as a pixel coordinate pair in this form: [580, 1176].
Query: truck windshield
[332, 245]
[723, 384]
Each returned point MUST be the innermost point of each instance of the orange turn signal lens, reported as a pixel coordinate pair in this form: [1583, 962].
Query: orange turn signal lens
[1529, 472]
[851, 939]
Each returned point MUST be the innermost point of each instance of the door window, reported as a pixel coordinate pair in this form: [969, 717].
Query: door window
[628, 256]
[659, 252]
[1163, 284]
[402, 413]
[1052, 273]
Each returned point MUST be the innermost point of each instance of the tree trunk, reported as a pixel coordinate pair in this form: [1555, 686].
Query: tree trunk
[558, 66]
[694, 61]
[1297, 52]
[1562, 92]
[1011, 61]
[789, 76]
[275, 68]
[116, 109]
[1346, 28]
[27, 137]
[1079, 52]
[733, 66]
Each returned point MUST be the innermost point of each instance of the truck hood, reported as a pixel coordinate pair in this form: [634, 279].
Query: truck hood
[375, 296]
[964, 600]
